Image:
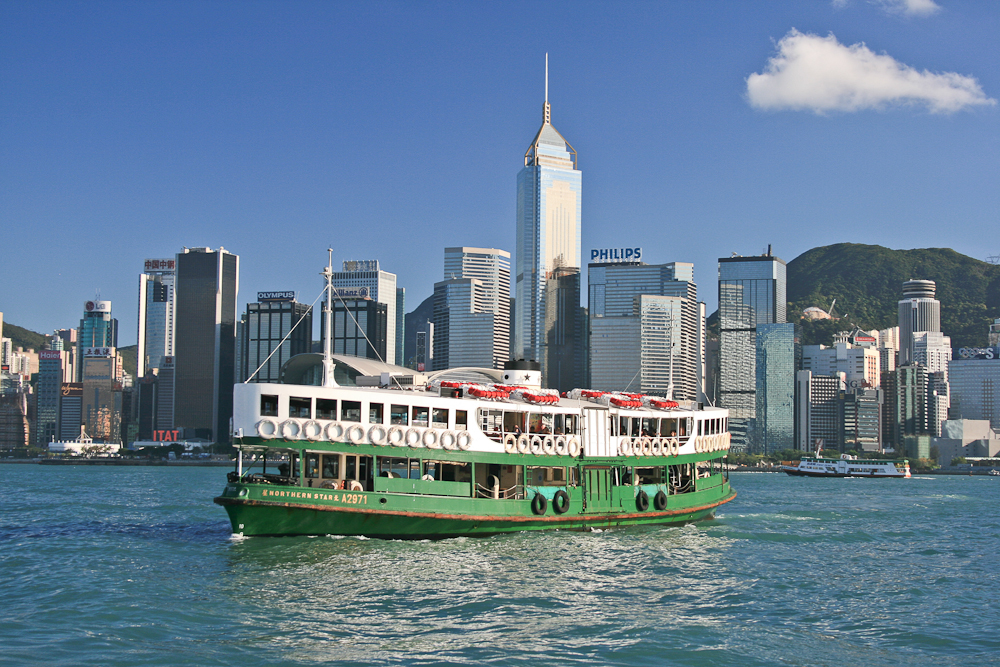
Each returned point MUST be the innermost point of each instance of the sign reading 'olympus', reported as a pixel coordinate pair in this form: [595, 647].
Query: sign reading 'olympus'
[977, 352]
[275, 296]
[616, 254]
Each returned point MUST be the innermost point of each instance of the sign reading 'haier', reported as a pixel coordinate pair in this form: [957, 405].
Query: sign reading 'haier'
[616, 255]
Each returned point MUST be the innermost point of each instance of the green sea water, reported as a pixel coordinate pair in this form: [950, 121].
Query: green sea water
[136, 566]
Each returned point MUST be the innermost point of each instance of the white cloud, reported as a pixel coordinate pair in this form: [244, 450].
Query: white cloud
[820, 74]
[907, 7]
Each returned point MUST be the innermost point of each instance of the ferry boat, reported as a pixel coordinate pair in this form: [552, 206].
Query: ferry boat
[447, 457]
[846, 466]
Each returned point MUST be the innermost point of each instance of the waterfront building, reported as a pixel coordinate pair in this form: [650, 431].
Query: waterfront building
[51, 368]
[644, 332]
[818, 411]
[938, 400]
[547, 324]
[778, 353]
[975, 386]
[272, 331]
[861, 365]
[862, 419]
[70, 410]
[906, 403]
[400, 325]
[472, 309]
[207, 284]
[360, 327]
[155, 348]
[751, 292]
[364, 279]
[98, 329]
[966, 438]
[102, 394]
[918, 311]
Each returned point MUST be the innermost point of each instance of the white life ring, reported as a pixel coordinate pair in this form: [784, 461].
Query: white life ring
[334, 431]
[549, 445]
[675, 446]
[523, 442]
[625, 446]
[290, 430]
[267, 429]
[561, 446]
[574, 446]
[413, 437]
[377, 435]
[396, 436]
[312, 430]
[509, 443]
[446, 439]
[656, 447]
[430, 438]
[356, 434]
[464, 441]
[646, 445]
[536, 445]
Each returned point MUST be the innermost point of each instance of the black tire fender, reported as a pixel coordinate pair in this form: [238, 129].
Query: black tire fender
[642, 501]
[660, 501]
[560, 502]
[539, 504]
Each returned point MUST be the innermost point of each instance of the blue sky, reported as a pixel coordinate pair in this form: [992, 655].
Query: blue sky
[391, 130]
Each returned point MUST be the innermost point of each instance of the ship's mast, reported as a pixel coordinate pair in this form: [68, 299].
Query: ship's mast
[327, 273]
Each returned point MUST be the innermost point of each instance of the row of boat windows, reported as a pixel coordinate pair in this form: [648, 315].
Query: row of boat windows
[352, 411]
[516, 422]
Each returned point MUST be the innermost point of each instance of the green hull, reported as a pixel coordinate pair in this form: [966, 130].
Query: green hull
[260, 509]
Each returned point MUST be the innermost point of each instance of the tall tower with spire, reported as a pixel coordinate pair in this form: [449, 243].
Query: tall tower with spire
[548, 323]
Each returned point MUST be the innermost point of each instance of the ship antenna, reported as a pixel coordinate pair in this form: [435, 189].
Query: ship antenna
[328, 380]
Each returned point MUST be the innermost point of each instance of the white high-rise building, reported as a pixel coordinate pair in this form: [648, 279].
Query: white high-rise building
[547, 326]
[933, 350]
[156, 333]
[918, 311]
[860, 365]
[364, 279]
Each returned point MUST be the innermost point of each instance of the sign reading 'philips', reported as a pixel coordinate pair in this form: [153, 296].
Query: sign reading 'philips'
[616, 254]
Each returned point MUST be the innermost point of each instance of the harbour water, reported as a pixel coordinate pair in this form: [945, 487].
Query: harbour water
[136, 566]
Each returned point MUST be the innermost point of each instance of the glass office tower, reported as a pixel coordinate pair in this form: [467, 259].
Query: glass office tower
[478, 316]
[778, 355]
[156, 335]
[205, 325]
[263, 342]
[97, 329]
[547, 256]
[751, 292]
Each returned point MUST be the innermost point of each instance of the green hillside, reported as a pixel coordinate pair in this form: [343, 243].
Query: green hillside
[866, 281]
[20, 337]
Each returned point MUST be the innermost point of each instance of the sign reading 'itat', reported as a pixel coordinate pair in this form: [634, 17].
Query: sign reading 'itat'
[616, 254]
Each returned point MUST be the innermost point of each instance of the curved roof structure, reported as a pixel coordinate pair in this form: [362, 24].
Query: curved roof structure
[348, 371]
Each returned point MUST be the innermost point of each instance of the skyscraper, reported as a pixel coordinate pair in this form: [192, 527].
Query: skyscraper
[264, 329]
[778, 355]
[364, 279]
[751, 292]
[547, 255]
[472, 309]
[918, 311]
[97, 329]
[659, 302]
[207, 283]
[156, 336]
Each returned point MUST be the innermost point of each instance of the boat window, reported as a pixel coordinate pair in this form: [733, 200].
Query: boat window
[655, 475]
[685, 426]
[448, 471]
[439, 418]
[268, 406]
[547, 476]
[513, 422]
[399, 414]
[419, 416]
[623, 426]
[358, 468]
[461, 419]
[491, 420]
[649, 427]
[571, 425]
[326, 408]
[375, 413]
[331, 466]
[299, 407]
[540, 423]
[389, 466]
[636, 427]
[350, 411]
[312, 466]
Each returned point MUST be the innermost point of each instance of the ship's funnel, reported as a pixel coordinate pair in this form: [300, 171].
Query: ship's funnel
[523, 373]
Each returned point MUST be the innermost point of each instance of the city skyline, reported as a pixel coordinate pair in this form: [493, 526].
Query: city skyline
[264, 128]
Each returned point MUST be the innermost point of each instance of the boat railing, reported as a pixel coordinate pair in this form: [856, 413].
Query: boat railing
[497, 493]
[264, 478]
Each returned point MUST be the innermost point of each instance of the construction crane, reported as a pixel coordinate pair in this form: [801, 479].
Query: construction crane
[830, 312]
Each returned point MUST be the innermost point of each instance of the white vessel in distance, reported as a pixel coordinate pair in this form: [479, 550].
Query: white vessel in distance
[846, 466]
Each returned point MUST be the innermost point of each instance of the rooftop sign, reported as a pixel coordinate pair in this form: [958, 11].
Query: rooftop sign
[97, 306]
[161, 265]
[275, 296]
[616, 255]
